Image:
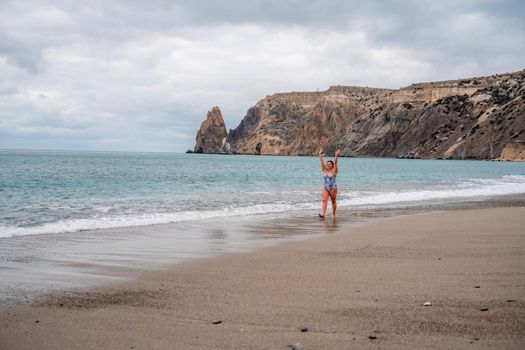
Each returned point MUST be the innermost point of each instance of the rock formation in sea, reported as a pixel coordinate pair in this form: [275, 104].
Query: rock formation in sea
[475, 118]
[211, 137]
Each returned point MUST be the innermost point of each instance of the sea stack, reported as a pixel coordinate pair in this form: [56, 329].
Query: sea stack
[211, 136]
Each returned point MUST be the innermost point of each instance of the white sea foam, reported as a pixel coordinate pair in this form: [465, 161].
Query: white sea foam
[75, 225]
[510, 184]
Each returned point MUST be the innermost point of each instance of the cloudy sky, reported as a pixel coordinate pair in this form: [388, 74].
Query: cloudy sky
[134, 75]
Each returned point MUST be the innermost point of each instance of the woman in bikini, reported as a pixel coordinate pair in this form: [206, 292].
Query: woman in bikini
[329, 188]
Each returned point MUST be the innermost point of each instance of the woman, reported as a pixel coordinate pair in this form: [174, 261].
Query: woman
[329, 188]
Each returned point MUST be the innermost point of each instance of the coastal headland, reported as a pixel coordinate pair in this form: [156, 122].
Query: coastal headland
[360, 287]
[471, 118]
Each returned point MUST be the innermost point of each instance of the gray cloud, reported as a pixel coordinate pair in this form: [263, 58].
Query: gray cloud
[141, 75]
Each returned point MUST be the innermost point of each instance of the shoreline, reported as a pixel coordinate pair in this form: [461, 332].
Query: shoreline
[35, 265]
[359, 156]
[344, 286]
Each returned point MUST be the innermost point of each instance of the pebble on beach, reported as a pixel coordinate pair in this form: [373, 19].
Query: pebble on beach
[297, 346]
[484, 309]
[372, 337]
[304, 329]
[427, 303]
[216, 321]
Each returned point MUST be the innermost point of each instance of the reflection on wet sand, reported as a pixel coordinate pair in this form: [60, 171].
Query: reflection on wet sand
[330, 224]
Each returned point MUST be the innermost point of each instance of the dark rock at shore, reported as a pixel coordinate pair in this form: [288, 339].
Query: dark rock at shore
[475, 118]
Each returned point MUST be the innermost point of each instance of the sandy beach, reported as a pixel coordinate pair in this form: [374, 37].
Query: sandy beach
[343, 288]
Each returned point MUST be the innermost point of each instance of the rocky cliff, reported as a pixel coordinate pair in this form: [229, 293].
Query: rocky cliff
[474, 118]
[514, 151]
[211, 137]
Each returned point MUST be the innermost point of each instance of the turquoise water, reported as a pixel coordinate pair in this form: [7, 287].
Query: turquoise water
[58, 192]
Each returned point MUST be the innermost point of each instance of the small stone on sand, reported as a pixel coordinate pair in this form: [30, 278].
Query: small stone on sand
[297, 346]
[484, 309]
[372, 337]
[427, 303]
[304, 329]
[216, 321]
[477, 286]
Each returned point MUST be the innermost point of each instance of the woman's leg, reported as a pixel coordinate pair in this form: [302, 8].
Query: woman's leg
[325, 195]
[333, 195]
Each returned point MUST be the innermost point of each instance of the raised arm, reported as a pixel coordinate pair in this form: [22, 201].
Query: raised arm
[323, 167]
[335, 161]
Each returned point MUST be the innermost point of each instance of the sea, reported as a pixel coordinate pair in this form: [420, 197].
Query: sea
[50, 192]
[72, 219]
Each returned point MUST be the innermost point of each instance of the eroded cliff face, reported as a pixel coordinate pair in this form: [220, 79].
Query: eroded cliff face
[514, 151]
[462, 119]
[211, 136]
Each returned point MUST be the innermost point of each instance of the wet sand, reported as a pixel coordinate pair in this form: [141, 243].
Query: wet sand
[351, 283]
